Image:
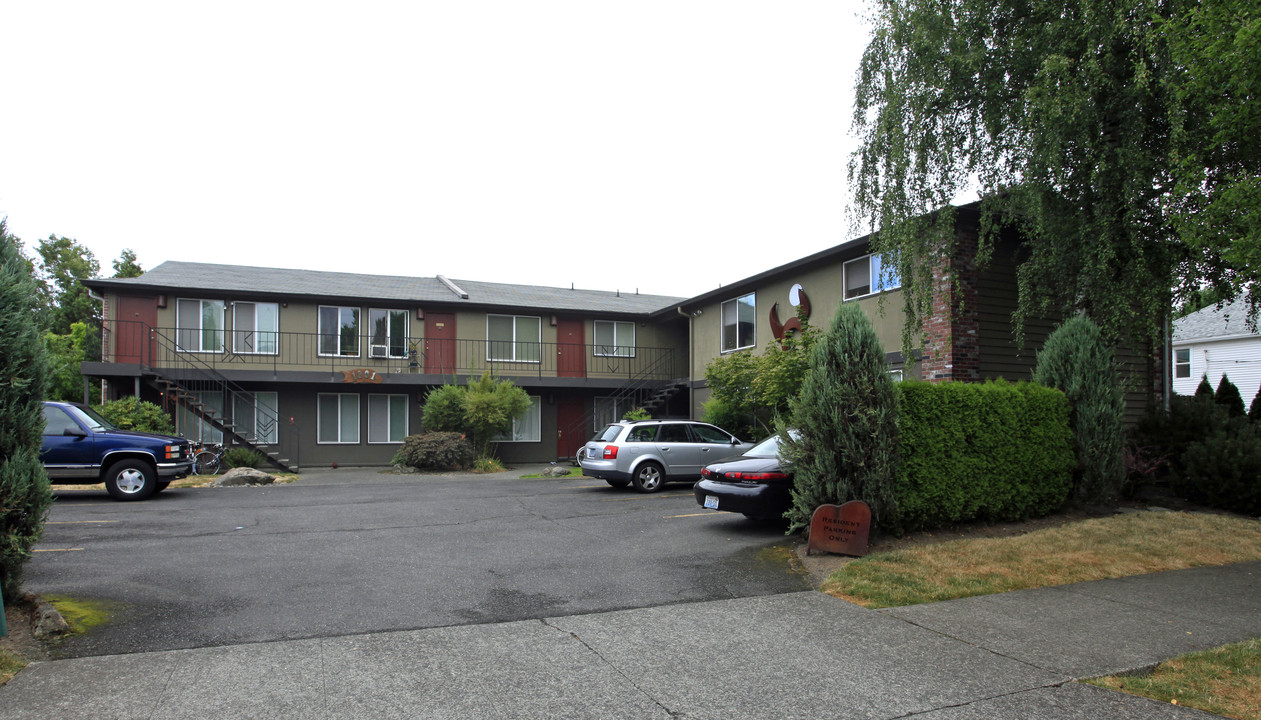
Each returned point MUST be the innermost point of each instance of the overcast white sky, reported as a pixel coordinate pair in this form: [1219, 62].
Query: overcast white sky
[666, 146]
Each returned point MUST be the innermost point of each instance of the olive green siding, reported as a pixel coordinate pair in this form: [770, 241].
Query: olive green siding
[823, 287]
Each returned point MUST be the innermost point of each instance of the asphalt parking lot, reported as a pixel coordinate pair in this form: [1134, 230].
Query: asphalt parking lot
[354, 551]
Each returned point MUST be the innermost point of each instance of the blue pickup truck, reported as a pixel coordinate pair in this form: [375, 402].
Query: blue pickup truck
[80, 446]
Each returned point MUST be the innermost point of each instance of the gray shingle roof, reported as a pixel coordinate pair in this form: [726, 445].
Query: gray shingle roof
[191, 277]
[1230, 320]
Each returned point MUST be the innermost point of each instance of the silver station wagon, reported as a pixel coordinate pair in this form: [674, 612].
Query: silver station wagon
[650, 453]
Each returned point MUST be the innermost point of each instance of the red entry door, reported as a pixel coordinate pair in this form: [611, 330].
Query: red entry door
[570, 428]
[134, 319]
[440, 343]
[571, 349]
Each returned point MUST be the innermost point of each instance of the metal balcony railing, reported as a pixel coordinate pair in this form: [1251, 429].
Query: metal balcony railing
[126, 341]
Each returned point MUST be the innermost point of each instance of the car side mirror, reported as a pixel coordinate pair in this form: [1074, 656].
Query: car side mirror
[74, 432]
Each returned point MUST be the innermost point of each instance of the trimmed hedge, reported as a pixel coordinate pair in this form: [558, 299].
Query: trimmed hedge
[993, 451]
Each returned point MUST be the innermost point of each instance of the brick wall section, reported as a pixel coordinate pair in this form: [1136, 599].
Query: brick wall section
[952, 348]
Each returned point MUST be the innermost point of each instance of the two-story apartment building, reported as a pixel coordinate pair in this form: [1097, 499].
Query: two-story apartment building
[320, 368]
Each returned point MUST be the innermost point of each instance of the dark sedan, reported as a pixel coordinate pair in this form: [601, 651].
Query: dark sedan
[756, 484]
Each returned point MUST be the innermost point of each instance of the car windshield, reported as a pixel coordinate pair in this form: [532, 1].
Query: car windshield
[767, 448]
[89, 417]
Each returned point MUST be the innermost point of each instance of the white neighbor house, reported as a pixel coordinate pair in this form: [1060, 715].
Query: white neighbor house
[1215, 342]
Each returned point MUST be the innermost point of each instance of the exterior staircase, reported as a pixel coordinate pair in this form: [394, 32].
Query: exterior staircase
[193, 385]
[641, 391]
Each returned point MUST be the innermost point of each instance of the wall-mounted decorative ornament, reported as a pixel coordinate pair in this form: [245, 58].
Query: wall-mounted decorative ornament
[797, 296]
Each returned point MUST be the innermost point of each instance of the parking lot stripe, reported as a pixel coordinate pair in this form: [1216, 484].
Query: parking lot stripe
[56, 549]
[688, 515]
[78, 522]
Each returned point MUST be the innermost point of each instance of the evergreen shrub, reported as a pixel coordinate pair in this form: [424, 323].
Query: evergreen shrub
[1223, 470]
[236, 457]
[845, 421]
[1228, 396]
[25, 497]
[1079, 361]
[992, 451]
[1254, 410]
[1190, 419]
[438, 451]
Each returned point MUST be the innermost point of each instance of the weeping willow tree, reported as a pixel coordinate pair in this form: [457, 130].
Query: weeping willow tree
[1068, 118]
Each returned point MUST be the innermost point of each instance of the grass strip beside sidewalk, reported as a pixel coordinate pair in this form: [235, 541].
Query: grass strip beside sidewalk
[1096, 549]
[1224, 681]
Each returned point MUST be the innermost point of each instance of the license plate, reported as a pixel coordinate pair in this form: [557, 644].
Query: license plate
[711, 502]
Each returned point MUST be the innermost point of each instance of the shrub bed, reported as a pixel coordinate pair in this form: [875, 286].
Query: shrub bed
[437, 451]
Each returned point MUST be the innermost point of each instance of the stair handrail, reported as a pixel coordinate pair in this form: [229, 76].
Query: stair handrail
[207, 374]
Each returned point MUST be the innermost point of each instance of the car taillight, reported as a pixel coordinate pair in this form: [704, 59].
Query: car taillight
[610, 452]
[757, 476]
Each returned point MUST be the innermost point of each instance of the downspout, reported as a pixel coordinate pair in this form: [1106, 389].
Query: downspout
[86, 399]
[690, 385]
[1166, 352]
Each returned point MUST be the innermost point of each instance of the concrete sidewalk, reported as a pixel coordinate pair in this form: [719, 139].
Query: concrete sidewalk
[800, 655]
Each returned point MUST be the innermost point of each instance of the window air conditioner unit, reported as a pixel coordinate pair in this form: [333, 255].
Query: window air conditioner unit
[379, 351]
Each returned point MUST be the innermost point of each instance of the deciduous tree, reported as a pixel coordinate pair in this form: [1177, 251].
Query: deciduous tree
[1097, 128]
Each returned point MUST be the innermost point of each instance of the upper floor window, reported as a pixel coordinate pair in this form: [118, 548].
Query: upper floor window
[738, 323]
[513, 338]
[863, 277]
[388, 330]
[199, 325]
[339, 330]
[1182, 363]
[616, 339]
[254, 327]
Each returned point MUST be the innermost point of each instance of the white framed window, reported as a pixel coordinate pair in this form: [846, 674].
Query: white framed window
[895, 375]
[610, 410]
[528, 427]
[387, 333]
[387, 419]
[513, 338]
[614, 338]
[337, 420]
[339, 331]
[865, 276]
[739, 322]
[1182, 363]
[199, 325]
[255, 328]
[255, 413]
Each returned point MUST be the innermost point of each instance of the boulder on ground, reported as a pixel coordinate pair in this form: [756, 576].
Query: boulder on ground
[556, 471]
[245, 476]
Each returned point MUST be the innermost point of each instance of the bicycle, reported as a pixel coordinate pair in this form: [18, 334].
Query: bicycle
[208, 459]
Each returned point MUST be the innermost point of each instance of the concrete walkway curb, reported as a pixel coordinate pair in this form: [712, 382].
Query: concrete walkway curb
[798, 655]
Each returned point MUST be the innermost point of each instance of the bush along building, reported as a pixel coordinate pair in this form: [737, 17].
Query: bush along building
[318, 368]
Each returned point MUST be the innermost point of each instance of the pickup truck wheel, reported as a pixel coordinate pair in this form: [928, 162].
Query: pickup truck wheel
[131, 480]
